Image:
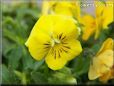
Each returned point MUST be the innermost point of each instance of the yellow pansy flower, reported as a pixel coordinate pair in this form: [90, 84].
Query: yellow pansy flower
[102, 65]
[89, 26]
[94, 25]
[63, 7]
[104, 15]
[54, 38]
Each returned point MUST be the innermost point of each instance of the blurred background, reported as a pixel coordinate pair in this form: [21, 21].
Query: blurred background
[18, 67]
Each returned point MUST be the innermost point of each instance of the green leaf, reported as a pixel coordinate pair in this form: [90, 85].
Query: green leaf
[5, 75]
[27, 60]
[5, 47]
[14, 56]
[65, 70]
[38, 64]
[8, 76]
[61, 78]
[13, 30]
[22, 77]
[38, 78]
[81, 66]
[10, 35]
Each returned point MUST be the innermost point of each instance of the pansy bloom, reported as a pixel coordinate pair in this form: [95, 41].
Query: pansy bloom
[102, 65]
[103, 17]
[63, 7]
[54, 38]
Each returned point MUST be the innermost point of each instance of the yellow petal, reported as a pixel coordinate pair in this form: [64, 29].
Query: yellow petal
[101, 64]
[63, 8]
[57, 24]
[98, 29]
[88, 32]
[76, 10]
[54, 61]
[44, 24]
[67, 26]
[105, 77]
[93, 74]
[99, 8]
[99, 24]
[88, 20]
[108, 44]
[106, 58]
[47, 6]
[108, 75]
[75, 49]
[108, 14]
[36, 44]
[89, 26]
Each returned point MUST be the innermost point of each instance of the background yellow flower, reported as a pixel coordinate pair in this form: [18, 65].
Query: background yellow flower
[89, 27]
[104, 15]
[102, 64]
[63, 7]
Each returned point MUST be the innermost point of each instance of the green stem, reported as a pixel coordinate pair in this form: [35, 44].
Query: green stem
[22, 77]
[24, 80]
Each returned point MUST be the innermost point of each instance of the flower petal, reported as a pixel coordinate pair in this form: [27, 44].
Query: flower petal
[106, 58]
[75, 49]
[89, 26]
[101, 64]
[108, 44]
[57, 24]
[67, 26]
[92, 74]
[36, 44]
[63, 8]
[108, 13]
[55, 63]
[44, 24]
[108, 75]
